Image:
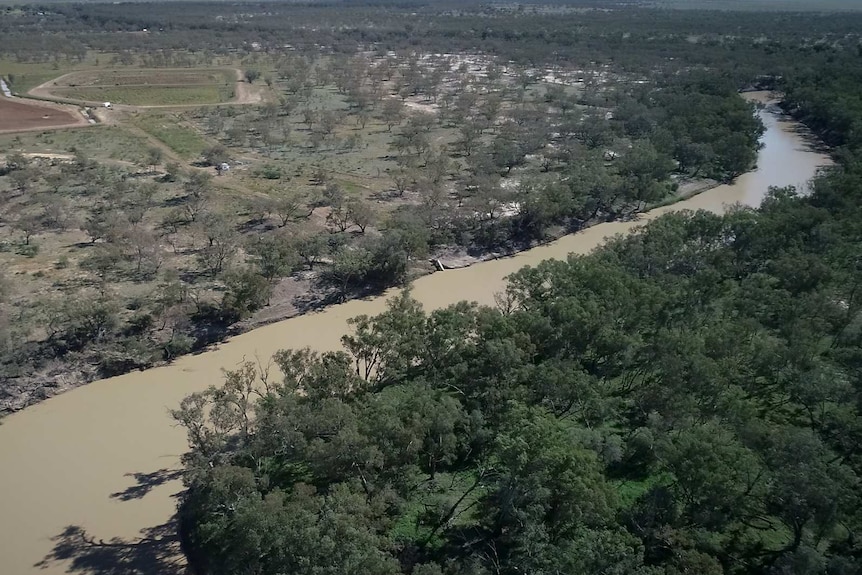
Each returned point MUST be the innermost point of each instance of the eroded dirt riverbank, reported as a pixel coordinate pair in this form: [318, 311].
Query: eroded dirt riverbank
[88, 477]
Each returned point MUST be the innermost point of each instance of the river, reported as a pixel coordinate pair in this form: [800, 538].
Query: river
[87, 478]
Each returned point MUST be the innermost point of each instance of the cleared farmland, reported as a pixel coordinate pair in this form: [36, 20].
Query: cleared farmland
[145, 87]
[146, 77]
[150, 95]
[17, 115]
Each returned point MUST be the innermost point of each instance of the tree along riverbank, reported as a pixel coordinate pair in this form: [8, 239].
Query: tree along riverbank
[658, 406]
[117, 451]
[309, 291]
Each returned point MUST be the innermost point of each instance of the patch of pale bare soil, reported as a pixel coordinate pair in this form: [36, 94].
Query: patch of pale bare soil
[290, 297]
[247, 93]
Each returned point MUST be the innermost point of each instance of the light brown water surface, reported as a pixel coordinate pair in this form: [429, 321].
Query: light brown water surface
[70, 499]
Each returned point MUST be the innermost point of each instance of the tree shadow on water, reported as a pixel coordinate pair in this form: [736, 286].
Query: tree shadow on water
[146, 482]
[156, 552]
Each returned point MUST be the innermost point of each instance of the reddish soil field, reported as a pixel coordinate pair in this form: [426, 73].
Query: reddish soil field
[17, 115]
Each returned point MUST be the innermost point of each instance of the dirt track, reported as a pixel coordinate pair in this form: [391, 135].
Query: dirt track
[243, 94]
[24, 114]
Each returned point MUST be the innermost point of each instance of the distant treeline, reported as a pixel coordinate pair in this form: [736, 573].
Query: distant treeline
[636, 39]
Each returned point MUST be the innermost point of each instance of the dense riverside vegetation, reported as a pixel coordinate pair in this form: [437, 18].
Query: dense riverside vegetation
[362, 153]
[685, 400]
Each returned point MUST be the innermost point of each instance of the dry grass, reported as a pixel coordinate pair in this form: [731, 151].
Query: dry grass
[150, 95]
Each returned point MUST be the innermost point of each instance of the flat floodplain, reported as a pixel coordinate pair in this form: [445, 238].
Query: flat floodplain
[146, 87]
[17, 115]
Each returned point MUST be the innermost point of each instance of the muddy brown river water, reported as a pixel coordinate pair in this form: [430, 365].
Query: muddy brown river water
[86, 482]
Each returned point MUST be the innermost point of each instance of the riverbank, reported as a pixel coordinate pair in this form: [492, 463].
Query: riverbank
[300, 293]
[90, 476]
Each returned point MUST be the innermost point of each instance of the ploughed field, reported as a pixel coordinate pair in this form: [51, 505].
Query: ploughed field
[18, 115]
[147, 87]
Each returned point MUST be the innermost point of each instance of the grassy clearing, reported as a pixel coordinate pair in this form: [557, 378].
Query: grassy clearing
[26, 82]
[27, 75]
[151, 95]
[183, 140]
[370, 157]
[100, 142]
[104, 78]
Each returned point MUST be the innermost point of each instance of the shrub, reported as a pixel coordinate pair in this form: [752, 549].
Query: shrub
[269, 172]
[247, 292]
[179, 344]
[30, 250]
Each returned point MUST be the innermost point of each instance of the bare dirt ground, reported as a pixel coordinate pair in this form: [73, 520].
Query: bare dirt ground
[420, 106]
[247, 94]
[290, 297]
[49, 156]
[17, 115]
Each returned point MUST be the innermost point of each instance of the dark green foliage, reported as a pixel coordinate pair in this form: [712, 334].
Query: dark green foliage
[685, 400]
[247, 292]
[251, 74]
[372, 264]
[270, 172]
[72, 325]
[275, 256]
[708, 133]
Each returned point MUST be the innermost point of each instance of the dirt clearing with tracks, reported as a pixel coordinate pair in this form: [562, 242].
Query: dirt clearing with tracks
[150, 88]
[19, 115]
